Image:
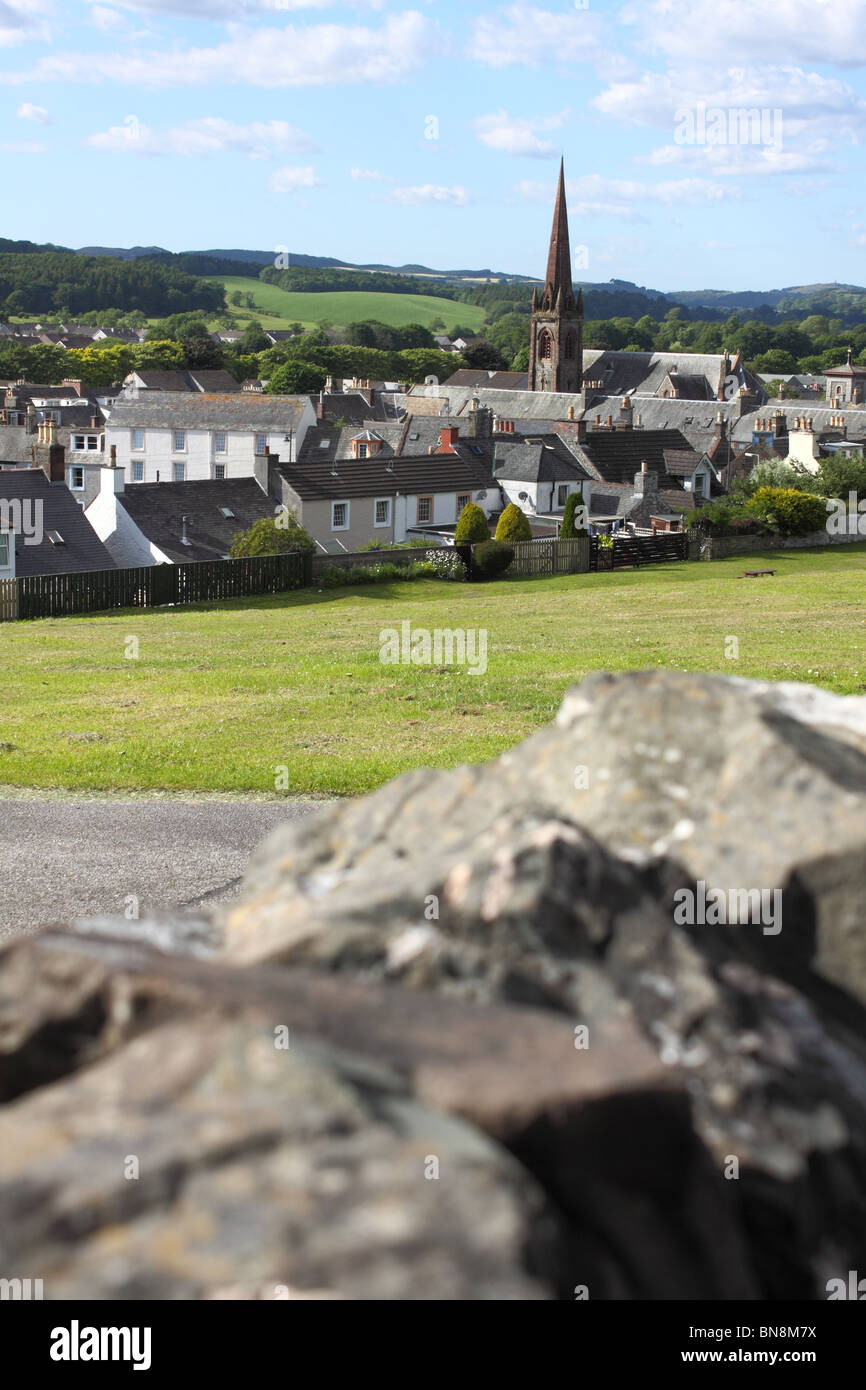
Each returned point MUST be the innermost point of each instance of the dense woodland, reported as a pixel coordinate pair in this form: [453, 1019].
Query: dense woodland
[62, 282]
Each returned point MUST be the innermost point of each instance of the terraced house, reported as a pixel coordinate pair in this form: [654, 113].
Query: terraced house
[181, 436]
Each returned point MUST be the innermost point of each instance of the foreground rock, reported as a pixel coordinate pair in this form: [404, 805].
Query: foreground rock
[511, 1072]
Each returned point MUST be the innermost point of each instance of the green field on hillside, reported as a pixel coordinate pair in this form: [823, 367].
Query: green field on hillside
[222, 696]
[277, 308]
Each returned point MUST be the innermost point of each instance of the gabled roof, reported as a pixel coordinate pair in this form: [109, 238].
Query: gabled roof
[615, 456]
[81, 549]
[158, 510]
[544, 459]
[194, 410]
[192, 379]
[384, 477]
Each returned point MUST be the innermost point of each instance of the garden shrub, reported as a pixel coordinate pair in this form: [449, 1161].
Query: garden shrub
[570, 526]
[513, 525]
[491, 558]
[446, 564]
[472, 526]
[789, 511]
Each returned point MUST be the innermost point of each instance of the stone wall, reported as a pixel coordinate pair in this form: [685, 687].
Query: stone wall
[720, 547]
[456, 1040]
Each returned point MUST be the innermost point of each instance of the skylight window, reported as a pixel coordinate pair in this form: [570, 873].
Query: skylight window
[227, 512]
[55, 538]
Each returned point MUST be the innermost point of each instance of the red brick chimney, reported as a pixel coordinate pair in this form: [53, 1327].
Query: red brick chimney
[447, 440]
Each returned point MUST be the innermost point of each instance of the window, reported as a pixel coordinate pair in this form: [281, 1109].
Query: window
[179, 443]
[261, 444]
[219, 471]
[219, 443]
[383, 511]
[362, 451]
[545, 345]
[55, 538]
[138, 470]
[4, 550]
[463, 500]
[561, 494]
[179, 472]
[138, 439]
[425, 509]
[570, 343]
[76, 479]
[79, 443]
[339, 516]
[227, 513]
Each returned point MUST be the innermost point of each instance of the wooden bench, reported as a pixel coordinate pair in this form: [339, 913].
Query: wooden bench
[756, 574]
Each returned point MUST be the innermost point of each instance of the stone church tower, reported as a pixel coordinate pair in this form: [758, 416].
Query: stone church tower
[556, 345]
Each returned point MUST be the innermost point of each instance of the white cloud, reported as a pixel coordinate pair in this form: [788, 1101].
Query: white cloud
[593, 195]
[742, 160]
[429, 195]
[291, 179]
[290, 57]
[371, 176]
[237, 9]
[799, 31]
[21, 21]
[528, 36]
[28, 112]
[760, 120]
[209, 135]
[518, 136]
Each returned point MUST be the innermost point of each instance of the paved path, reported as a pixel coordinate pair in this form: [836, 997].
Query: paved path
[62, 859]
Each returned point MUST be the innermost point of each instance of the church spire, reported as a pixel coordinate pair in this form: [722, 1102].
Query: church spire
[558, 279]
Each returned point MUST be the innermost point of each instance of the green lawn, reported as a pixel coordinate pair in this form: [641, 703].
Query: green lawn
[277, 308]
[222, 696]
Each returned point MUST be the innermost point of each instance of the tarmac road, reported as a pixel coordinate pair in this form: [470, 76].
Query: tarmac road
[62, 859]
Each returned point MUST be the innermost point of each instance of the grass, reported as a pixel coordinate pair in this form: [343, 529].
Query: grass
[277, 308]
[222, 696]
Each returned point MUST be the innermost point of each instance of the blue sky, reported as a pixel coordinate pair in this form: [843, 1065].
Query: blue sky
[430, 132]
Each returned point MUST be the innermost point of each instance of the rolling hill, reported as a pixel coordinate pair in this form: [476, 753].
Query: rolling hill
[277, 308]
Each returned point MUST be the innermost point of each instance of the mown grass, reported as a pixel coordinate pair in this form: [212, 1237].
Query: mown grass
[278, 308]
[223, 696]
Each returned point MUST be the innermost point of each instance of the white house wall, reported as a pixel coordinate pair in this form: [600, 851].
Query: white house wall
[200, 456]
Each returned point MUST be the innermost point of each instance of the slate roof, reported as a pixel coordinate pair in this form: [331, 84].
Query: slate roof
[241, 410]
[820, 416]
[537, 460]
[386, 477]
[158, 508]
[188, 380]
[352, 407]
[82, 548]
[681, 463]
[496, 381]
[615, 456]
[324, 442]
[620, 500]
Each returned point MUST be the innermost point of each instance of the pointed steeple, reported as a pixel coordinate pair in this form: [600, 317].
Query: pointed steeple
[558, 278]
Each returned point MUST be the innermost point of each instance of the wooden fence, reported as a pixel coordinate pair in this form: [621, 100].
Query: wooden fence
[631, 552]
[8, 600]
[151, 586]
[550, 557]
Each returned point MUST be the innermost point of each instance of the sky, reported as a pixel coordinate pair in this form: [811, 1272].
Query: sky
[430, 132]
